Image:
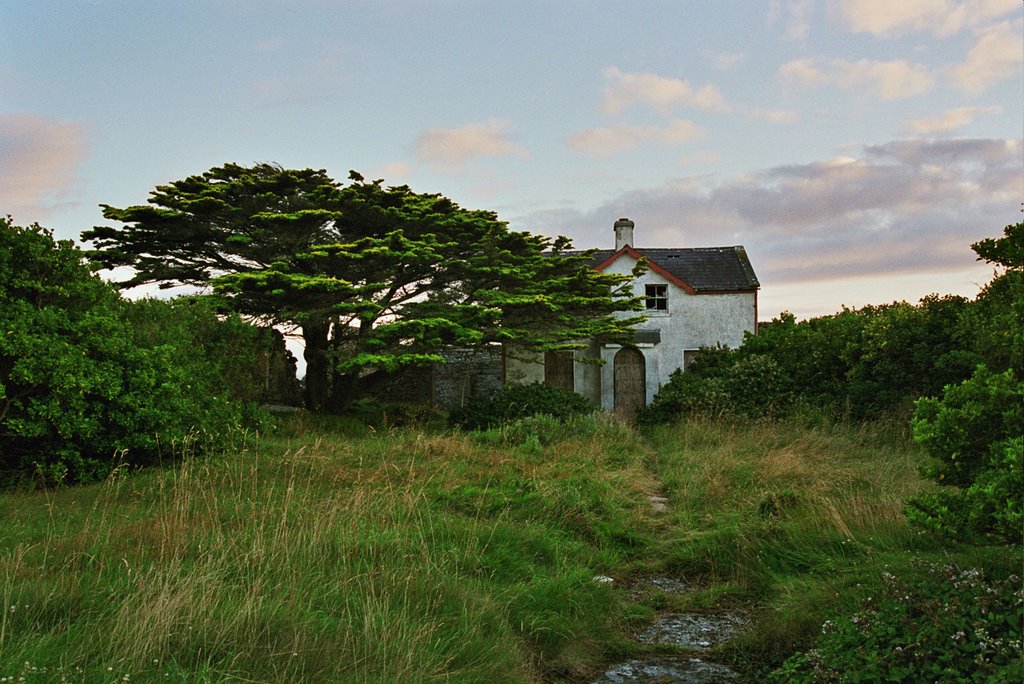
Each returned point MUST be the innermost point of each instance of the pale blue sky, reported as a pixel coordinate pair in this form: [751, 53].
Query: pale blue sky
[855, 147]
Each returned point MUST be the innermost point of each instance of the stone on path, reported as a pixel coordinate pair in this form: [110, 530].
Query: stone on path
[666, 670]
[690, 630]
[659, 504]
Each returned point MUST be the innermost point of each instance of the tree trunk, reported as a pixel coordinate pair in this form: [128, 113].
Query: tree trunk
[318, 365]
[345, 386]
[343, 391]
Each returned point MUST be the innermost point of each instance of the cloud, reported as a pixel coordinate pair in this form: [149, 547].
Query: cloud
[908, 206]
[797, 14]
[892, 80]
[39, 157]
[884, 18]
[604, 142]
[701, 158]
[780, 117]
[995, 57]
[724, 61]
[625, 90]
[393, 173]
[949, 120]
[453, 147]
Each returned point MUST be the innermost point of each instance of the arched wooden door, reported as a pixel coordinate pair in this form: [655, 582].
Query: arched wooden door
[630, 381]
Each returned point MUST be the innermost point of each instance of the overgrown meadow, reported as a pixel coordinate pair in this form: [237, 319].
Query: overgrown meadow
[327, 551]
[157, 525]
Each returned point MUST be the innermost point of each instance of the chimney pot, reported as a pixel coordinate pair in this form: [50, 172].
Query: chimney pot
[623, 233]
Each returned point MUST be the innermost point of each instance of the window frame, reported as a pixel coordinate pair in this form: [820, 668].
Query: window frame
[656, 293]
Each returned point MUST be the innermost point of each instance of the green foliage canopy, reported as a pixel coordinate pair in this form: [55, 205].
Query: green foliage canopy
[375, 277]
[79, 389]
[975, 436]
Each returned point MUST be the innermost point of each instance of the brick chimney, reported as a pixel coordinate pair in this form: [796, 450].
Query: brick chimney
[623, 233]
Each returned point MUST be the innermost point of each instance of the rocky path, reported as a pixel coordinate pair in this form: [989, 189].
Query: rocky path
[692, 633]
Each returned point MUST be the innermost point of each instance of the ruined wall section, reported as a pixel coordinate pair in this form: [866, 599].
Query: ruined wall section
[467, 374]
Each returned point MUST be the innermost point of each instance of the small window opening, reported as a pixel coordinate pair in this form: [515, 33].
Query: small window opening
[657, 297]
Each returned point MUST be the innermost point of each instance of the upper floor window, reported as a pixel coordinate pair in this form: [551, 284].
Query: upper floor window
[657, 297]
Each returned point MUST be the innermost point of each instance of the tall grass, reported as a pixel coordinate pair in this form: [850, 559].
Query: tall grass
[323, 557]
[792, 520]
[331, 552]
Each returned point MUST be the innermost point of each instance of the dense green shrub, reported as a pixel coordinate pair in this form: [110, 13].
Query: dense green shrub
[753, 386]
[975, 436]
[513, 402]
[542, 430]
[862, 363]
[218, 344]
[940, 624]
[80, 391]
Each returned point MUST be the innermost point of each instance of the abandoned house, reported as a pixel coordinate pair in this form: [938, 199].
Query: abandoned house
[695, 297]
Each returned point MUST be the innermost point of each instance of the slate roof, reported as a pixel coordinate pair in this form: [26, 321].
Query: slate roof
[704, 269]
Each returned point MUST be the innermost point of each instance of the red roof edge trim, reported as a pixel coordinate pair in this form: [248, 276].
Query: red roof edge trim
[650, 264]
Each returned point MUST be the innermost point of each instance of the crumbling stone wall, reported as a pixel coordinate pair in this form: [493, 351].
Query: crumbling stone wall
[466, 374]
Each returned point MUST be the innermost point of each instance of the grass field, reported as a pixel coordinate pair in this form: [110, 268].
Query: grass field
[331, 552]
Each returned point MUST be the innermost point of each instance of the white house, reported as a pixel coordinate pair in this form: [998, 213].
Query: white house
[695, 297]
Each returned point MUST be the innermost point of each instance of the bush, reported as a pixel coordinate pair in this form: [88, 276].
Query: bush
[544, 430]
[238, 357]
[80, 391]
[513, 402]
[753, 386]
[975, 436]
[939, 624]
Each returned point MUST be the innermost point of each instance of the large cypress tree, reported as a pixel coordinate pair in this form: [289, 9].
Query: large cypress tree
[375, 277]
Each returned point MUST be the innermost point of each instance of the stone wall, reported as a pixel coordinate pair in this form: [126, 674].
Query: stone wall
[467, 373]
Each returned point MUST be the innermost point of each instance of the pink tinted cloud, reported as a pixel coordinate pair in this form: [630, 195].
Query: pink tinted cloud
[625, 90]
[995, 57]
[607, 141]
[39, 158]
[451, 148]
[905, 207]
[941, 18]
[888, 80]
